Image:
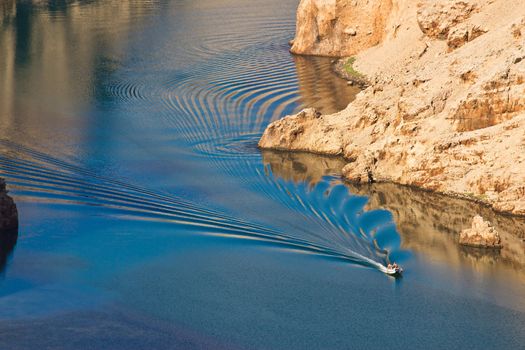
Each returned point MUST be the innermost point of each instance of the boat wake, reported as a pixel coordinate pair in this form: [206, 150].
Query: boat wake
[208, 96]
[335, 225]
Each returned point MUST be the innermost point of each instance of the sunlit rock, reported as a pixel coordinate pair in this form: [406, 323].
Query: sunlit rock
[339, 27]
[289, 133]
[444, 109]
[481, 234]
[438, 18]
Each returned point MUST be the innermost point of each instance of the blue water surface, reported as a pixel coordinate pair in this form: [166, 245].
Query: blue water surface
[151, 220]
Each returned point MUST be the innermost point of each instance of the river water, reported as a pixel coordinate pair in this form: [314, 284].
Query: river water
[149, 218]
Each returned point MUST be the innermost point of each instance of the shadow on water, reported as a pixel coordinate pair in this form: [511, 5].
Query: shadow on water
[7, 244]
[428, 223]
[57, 59]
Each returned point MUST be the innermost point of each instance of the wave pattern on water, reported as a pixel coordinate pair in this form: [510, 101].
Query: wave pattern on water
[37, 175]
[225, 83]
[339, 217]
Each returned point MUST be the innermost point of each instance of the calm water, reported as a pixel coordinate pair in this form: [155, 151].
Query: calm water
[149, 218]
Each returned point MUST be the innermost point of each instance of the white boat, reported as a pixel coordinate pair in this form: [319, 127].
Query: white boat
[394, 271]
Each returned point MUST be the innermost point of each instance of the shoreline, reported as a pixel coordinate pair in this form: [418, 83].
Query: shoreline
[444, 110]
[338, 67]
[353, 181]
[441, 217]
[343, 160]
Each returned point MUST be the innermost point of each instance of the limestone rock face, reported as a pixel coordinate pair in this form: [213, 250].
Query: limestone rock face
[339, 27]
[460, 35]
[8, 211]
[441, 113]
[288, 134]
[437, 18]
[481, 234]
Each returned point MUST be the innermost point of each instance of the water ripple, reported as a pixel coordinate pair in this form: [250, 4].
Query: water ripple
[225, 84]
[35, 175]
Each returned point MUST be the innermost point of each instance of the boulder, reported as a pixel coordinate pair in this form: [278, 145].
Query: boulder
[482, 234]
[289, 134]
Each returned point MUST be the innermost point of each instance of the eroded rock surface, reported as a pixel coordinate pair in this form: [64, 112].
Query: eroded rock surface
[438, 18]
[8, 211]
[289, 133]
[440, 113]
[339, 27]
[481, 234]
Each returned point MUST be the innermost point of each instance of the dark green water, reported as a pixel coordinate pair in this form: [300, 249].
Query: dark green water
[150, 220]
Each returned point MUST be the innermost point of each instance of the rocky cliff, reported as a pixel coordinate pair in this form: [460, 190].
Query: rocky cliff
[445, 109]
[8, 211]
[339, 27]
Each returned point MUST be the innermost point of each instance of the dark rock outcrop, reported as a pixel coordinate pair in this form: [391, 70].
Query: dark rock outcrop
[8, 225]
[8, 211]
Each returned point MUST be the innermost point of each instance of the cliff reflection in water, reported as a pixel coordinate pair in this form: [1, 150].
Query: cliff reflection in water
[428, 223]
[320, 87]
[56, 57]
[301, 167]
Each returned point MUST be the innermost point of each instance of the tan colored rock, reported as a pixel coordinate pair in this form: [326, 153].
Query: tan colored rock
[437, 18]
[339, 27]
[451, 121]
[288, 134]
[482, 234]
[350, 31]
[457, 37]
[494, 101]
[460, 35]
